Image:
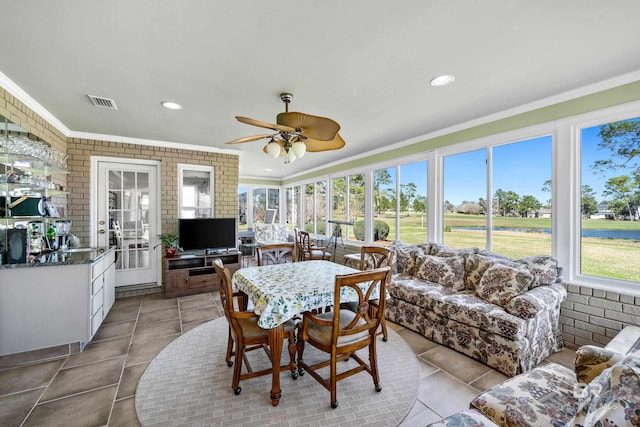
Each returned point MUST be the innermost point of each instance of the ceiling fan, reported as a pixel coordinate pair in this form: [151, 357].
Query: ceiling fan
[295, 133]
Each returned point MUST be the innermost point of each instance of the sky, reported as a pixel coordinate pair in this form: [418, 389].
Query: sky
[522, 167]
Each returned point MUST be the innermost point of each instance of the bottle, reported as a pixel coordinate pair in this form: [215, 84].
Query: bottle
[52, 243]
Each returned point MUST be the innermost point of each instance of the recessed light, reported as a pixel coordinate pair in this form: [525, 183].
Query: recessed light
[443, 80]
[171, 105]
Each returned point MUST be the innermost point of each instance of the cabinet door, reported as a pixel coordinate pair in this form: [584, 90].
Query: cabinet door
[177, 279]
[109, 286]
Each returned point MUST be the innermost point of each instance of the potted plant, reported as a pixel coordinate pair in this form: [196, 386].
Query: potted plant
[170, 243]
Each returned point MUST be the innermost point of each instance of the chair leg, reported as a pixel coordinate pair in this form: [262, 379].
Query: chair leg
[229, 349]
[292, 357]
[373, 363]
[383, 323]
[333, 381]
[300, 345]
[237, 368]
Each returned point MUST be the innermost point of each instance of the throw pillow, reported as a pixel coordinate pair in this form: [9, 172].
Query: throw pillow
[543, 267]
[441, 250]
[474, 268]
[445, 271]
[500, 283]
[611, 399]
[591, 361]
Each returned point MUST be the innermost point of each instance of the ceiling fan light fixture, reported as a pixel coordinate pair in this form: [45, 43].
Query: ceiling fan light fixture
[299, 149]
[442, 80]
[289, 157]
[273, 149]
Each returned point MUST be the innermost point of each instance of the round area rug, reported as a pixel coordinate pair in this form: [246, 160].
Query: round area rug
[189, 383]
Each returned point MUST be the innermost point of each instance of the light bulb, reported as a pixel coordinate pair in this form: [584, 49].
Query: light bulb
[290, 157]
[299, 149]
[273, 149]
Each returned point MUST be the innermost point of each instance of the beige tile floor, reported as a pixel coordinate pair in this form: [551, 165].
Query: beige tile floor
[97, 387]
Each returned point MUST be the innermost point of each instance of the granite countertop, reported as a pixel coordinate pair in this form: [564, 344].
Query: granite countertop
[85, 256]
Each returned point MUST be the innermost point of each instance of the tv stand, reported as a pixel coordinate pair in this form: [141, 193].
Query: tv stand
[194, 274]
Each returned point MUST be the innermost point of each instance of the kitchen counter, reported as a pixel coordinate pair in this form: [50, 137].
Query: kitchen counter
[61, 302]
[80, 256]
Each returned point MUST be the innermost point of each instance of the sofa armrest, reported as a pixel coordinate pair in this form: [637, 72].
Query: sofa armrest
[529, 304]
[592, 360]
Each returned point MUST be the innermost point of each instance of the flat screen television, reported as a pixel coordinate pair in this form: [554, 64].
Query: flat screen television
[206, 233]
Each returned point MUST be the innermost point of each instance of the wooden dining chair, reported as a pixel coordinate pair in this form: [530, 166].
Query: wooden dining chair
[306, 251]
[277, 253]
[342, 332]
[246, 335]
[376, 257]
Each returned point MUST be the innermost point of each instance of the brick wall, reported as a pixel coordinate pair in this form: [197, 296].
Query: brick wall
[594, 316]
[81, 150]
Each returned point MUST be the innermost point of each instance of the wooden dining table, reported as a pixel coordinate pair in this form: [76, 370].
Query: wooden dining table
[280, 292]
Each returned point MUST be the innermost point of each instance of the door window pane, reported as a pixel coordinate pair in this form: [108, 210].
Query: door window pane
[465, 185]
[610, 200]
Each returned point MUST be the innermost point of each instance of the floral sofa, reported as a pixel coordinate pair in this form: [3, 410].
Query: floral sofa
[503, 312]
[272, 233]
[603, 391]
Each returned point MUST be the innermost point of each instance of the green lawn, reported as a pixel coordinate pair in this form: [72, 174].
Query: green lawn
[613, 258]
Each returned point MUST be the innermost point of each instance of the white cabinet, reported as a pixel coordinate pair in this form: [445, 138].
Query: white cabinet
[50, 305]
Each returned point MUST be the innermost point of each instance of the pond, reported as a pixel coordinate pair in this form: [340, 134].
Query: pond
[602, 234]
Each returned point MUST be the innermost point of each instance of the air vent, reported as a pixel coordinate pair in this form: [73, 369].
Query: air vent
[101, 102]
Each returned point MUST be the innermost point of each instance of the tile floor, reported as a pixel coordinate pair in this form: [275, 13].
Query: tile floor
[97, 387]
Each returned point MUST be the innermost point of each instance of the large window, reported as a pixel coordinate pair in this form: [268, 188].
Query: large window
[521, 221]
[518, 213]
[315, 207]
[293, 207]
[610, 200]
[243, 203]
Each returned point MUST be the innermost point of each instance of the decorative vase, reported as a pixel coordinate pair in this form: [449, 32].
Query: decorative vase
[170, 252]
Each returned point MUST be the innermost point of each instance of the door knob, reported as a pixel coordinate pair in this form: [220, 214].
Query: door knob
[101, 232]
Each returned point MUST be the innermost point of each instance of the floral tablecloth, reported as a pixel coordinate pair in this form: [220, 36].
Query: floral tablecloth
[279, 292]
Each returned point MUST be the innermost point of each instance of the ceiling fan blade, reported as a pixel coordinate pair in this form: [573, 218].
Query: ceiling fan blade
[315, 145]
[314, 127]
[249, 138]
[253, 122]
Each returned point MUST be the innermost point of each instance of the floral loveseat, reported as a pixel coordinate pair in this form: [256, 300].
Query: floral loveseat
[500, 311]
[603, 391]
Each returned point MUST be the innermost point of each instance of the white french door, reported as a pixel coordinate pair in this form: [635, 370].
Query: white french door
[126, 216]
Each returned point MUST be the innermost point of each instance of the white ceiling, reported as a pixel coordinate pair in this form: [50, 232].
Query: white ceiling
[364, 63]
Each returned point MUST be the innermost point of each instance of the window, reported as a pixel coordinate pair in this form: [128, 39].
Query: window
[412, 216]
[384, 205]
[242, 208]
[315, 207]
[195, 192]
[293, 207]
[265, 199]
[521, 183]
[465, 189]
[610, 200]
[348, 206]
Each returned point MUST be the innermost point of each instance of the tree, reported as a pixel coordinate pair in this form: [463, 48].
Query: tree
[381, 178]
[588, 202]
[623, 140]
[506, 202]
[620, 190]
[448, 206]
[528, 204]
[407, 194]
[420, 204]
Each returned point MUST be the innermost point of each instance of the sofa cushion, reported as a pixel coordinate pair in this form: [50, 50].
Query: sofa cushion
[438, 249]
[446, 271]
[500, 283]
[405, 258]
[613, 397]
[591, 361]
[461, 306]
[543, 396]
[543, 268]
